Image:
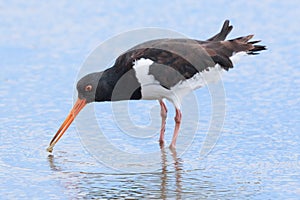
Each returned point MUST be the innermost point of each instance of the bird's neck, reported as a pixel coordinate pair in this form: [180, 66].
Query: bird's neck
[118, 84]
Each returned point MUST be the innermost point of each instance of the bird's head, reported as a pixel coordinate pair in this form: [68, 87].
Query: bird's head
[87, 89]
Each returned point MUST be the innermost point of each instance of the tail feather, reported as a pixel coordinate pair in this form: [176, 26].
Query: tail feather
[243, 44]
[238, 44]
[222, 52]
[256, 49]
[226, 29]
[254, 42]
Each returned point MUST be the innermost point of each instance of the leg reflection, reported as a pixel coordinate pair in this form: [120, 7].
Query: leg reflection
[168, 174]
[163, 186]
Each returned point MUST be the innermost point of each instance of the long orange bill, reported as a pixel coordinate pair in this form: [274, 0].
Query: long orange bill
[80, 103]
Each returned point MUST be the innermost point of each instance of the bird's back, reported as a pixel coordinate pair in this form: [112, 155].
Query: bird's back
[179, 59]
[168, 62]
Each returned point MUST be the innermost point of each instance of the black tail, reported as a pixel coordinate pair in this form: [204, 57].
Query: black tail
[221, 51]
[243, 44]
[256, 48]
[223, 33]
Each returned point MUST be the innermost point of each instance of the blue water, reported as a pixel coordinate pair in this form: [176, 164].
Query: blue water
[43, 46]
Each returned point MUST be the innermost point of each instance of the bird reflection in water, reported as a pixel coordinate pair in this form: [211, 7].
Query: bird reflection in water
[158, 184]
[177, 162]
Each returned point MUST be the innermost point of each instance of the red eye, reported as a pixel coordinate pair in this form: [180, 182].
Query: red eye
[88, 88]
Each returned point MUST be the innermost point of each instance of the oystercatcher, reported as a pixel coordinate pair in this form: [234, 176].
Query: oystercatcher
[161, 69]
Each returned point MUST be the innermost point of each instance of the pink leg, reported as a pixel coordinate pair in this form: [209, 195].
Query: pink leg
[177, 126]
[163, 114]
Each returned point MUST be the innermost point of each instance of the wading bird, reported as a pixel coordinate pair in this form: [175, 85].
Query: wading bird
[161, 69]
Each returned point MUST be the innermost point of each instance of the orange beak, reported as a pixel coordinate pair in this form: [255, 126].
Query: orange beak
[80, 103]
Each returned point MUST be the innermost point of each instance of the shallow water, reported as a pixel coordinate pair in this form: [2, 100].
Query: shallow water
[257, 155]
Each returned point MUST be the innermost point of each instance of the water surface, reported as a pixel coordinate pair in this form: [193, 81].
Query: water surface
[41, 50]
